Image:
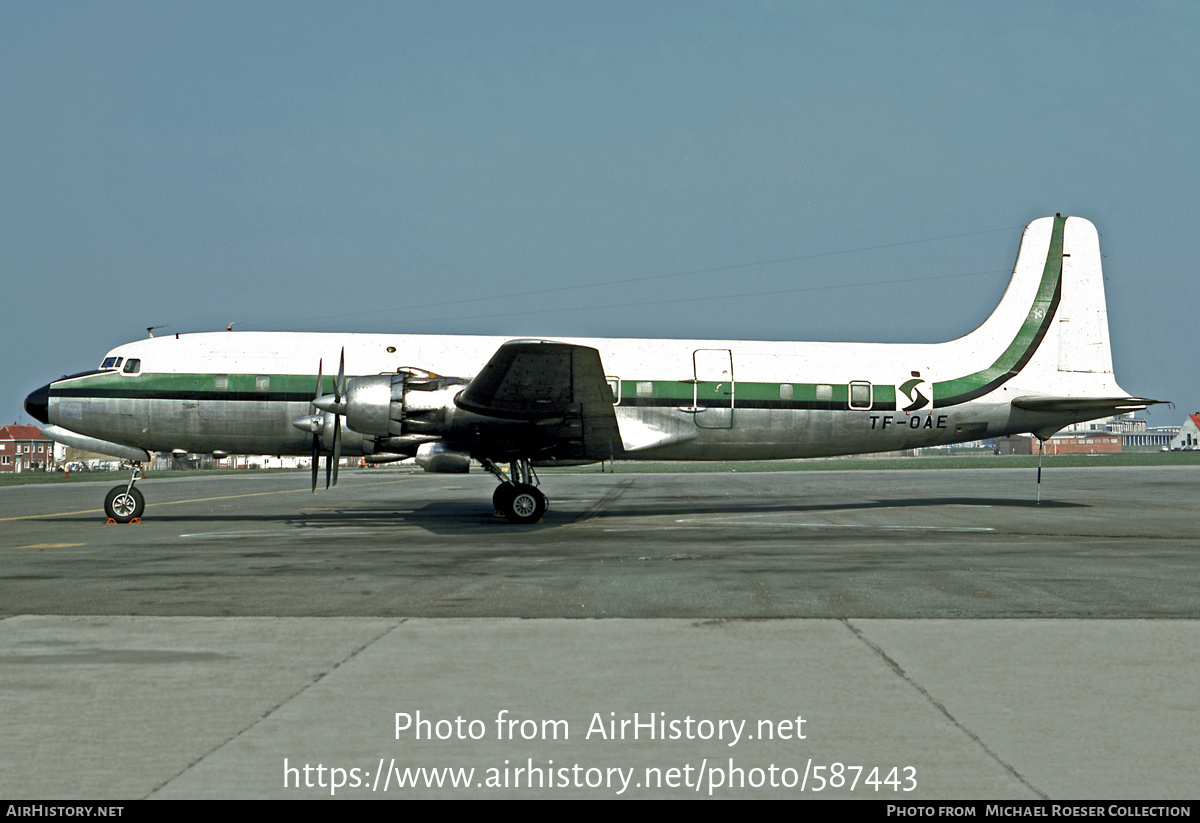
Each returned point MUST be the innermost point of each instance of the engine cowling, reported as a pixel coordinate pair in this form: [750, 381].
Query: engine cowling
[410, 402]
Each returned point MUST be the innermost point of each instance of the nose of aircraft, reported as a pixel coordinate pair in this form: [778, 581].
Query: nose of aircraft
[37, 404]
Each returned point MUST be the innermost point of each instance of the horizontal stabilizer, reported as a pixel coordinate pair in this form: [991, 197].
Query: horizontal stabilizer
[1099, 405]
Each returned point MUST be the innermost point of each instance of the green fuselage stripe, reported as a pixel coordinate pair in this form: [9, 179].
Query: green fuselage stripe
[1022, 348]
[301, 389]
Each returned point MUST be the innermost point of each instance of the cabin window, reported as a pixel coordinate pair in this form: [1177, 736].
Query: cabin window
[221, 382]
[132, 366]
[860, 395]
[824, 391]
[262, 383]
[645, 388]
[785, 391]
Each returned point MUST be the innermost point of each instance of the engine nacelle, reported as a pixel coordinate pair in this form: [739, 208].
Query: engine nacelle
[406, 403]
[436, 458]
[379, 458]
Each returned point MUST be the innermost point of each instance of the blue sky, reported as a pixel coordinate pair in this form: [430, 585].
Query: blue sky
[567, 168]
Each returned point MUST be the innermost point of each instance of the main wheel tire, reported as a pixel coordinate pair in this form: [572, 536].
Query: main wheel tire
[527, 504]
[502, 497]
[124, 504]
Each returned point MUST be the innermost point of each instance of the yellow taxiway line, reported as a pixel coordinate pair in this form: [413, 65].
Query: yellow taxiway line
[193, 500]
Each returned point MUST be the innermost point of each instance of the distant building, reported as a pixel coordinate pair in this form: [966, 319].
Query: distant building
[1096, 443]
[1017, 444]
[25, 449]
[1189, 434]
[1158, 436]
[1135, 432]
[1091, 443]
[1116, 423]
[179, 461]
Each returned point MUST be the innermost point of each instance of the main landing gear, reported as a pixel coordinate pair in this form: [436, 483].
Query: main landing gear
[517, 497]
[125, 504]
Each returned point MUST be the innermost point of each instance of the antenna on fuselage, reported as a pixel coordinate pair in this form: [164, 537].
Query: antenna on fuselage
[231, 325]
[150, 329]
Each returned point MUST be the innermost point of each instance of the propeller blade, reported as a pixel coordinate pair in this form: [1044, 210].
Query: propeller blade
[337, 446]
[339, 388]
[316, 443]
[316, 459]
[339, 391]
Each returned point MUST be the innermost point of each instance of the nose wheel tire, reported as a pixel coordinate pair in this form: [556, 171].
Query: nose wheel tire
[124, 504]
[523, 504]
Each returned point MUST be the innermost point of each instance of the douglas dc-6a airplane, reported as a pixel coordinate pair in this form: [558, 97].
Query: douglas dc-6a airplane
[1041, 361]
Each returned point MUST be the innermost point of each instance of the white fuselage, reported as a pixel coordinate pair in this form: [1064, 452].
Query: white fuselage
[239, 392]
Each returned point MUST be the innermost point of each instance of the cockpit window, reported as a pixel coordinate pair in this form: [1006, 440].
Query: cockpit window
[111, 363]
[132, 366]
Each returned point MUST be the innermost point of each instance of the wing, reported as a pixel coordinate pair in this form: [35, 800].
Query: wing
[543, 399]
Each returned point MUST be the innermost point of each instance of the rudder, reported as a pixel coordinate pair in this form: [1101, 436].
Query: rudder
[1082, 324]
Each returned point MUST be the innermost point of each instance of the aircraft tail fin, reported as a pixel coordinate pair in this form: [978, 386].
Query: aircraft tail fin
[1071, 369]
[1054, 311]
[1048, 340]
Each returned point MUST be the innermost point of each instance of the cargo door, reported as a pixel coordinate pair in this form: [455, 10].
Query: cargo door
[713, 397]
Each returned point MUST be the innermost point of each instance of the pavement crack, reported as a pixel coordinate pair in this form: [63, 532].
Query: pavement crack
[354, 653]
[937, 704]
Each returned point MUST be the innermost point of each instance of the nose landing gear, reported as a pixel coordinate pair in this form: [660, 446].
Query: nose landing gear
[125, 504]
